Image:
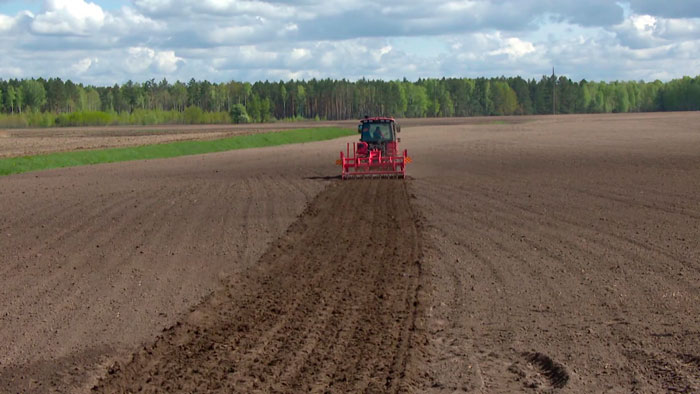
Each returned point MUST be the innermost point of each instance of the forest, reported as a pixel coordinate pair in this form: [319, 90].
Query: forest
[54, 102]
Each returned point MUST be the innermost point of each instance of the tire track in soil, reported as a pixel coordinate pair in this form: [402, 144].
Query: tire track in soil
[555, 372]
[331, 306]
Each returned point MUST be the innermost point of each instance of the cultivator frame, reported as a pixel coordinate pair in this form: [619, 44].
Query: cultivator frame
[376, 154]
[373, 165]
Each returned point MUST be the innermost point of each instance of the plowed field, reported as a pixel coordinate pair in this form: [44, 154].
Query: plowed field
[331, 305]
[539, 254]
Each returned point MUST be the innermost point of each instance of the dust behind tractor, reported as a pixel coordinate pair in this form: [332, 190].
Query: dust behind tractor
[377, 152]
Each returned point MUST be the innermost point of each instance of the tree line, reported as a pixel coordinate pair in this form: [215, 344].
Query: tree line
[48, 102]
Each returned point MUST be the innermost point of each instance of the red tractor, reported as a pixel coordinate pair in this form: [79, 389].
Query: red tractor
[377, 152]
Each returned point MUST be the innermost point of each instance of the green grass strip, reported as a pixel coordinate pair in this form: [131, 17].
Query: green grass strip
[17, 165]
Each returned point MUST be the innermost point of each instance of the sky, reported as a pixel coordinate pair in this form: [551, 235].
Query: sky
[103, 42]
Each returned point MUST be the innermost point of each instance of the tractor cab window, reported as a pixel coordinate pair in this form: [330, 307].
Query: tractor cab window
[376, 132]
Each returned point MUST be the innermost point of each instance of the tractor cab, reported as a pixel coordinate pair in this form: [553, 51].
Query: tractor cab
[378, 134]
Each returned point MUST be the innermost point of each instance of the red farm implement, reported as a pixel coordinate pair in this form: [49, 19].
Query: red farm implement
[377, 153]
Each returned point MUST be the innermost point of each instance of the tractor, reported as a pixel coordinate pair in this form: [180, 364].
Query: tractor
[377, 152]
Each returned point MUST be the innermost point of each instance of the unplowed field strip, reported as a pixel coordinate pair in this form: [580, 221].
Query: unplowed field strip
[563, 256]
[331, 306]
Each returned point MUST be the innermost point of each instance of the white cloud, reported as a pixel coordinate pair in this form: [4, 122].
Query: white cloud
[127, 20]
[638, 31]
[69, 17]
[458, 6]
[167, 62]
[300, 54]
[256, 39]
[514, 48]
[253, 8]
[234, 35]
[238, 7]
[141, 59]
[252, 55]
[671, 29]
[643, 23]
[154, 6]
[648, 31]
[6, 23]
[82, 65]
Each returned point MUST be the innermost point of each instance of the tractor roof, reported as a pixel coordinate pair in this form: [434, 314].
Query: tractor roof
[377, 119]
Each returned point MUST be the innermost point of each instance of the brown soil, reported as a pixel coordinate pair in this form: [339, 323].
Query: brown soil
[558, 254]
[564, 253]
[96, 260]
[330, 306]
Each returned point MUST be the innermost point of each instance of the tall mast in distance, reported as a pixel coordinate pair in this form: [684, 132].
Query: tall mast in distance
[554, 92]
